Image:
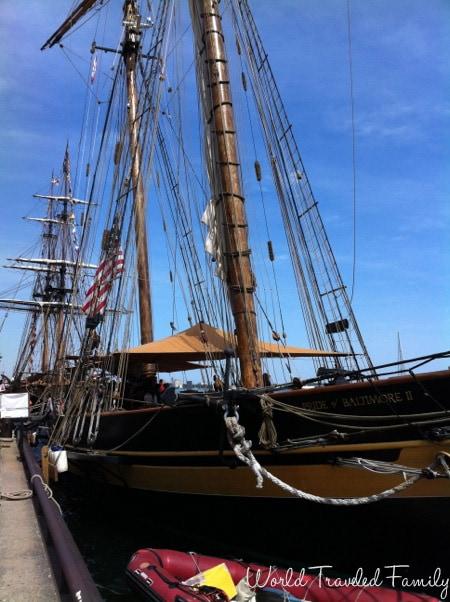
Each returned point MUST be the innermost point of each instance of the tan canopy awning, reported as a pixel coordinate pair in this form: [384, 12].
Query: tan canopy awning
[202, 342]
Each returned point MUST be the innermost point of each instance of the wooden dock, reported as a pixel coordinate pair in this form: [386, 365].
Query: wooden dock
[25, 570]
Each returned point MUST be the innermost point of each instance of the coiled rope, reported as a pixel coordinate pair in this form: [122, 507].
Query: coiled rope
[21, 494]
[242, 448]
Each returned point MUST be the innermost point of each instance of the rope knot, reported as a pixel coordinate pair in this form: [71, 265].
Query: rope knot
[267, 433]
[235, 430]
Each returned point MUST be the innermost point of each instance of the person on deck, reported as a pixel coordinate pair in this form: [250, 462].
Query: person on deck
[217, 383]
[152, 390]
[266, 380]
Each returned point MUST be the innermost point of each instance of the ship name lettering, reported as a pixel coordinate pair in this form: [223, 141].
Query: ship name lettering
[365, 400]
[317, 404]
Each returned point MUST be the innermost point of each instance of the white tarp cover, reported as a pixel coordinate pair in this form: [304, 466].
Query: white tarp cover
[14, 405]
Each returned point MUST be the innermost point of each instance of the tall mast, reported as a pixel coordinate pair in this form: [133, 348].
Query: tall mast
[61, 293]
[226, 183]
[130, 55]
[48, 233]
[44, 356]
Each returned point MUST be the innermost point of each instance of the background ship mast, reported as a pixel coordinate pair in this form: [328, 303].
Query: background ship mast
[46, 338]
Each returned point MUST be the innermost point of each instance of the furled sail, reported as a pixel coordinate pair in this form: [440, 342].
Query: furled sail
[213, 238]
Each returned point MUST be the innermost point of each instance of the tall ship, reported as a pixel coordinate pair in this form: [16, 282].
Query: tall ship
[353, 432]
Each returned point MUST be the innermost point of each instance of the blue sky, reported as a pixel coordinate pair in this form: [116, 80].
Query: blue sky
[401, 67]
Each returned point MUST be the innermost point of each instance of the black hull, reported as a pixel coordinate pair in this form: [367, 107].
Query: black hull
[201, 428]
[184, 449]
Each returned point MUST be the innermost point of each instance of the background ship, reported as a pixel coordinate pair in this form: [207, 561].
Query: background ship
[54, 321]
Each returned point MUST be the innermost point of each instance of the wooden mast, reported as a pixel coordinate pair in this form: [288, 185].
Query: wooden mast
[130, 55]
[48, 230]
[44, 356]
[61, 293]
[226, 183]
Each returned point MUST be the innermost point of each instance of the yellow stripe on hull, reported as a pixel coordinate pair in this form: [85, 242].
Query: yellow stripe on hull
[320, 479]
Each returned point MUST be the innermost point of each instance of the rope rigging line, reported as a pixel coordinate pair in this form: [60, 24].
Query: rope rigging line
[259, 180]
[183, 224]
[352, 106]
[212, 294]
[272, 142]
[325, 301]
[182, 211]
[85, 81]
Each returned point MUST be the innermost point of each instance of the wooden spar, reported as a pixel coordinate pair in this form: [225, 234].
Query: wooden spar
[227, 189]
[45, 314]
[71, 20]
[130, 52]
[50, 262]
[46, 320]
[44, 356]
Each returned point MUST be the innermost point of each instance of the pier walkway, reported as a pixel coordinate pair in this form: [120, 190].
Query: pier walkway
[25, 570]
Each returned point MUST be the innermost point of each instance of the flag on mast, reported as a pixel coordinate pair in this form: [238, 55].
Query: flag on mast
[66, 169]
[97, 295]
[66, 163]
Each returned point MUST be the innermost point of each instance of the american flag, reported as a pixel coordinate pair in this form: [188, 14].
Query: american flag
[97, 296]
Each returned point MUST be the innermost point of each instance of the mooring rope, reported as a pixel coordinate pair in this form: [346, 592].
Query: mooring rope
[47, 490]
[242, 448]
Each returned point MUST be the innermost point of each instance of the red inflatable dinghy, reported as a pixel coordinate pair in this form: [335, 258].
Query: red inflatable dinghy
[158, 575]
